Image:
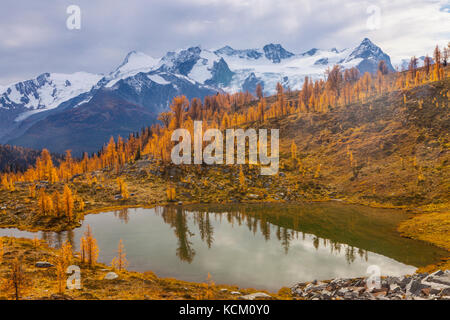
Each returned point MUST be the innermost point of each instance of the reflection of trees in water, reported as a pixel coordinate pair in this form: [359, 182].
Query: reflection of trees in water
[264, 225]
[285, 239]
[70, 236]
[57, 239]
[205, 227]
[350, 254]
[122, 214]
[177, 218]
[316, 243]
[284, 228]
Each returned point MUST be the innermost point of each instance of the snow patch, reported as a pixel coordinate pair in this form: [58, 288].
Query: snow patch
[158, 79]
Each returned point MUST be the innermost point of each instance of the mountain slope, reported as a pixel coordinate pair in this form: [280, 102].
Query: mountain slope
[87, 127]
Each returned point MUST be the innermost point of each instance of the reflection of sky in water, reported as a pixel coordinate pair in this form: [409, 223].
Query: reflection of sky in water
[166, 241]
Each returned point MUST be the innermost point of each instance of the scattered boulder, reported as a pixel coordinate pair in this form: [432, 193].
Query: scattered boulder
[43, 264]
[111, 276]
[415, 286]
[256, 295]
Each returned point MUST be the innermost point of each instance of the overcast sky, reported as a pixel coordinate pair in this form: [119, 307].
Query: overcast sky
[34, 37]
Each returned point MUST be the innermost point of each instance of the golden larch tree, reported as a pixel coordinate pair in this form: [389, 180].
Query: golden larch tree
[120, 262]
[89, 248]
[293, 151]
[242, 183]
[2, 250]
[62, 261]
[68, 202]
[16, 280]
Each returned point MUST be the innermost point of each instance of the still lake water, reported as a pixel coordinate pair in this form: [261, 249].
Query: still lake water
[264, 246]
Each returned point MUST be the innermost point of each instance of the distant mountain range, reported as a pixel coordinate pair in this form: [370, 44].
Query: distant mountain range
[81, 111]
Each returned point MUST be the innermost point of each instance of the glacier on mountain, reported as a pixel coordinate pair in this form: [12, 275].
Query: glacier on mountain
[46, 92]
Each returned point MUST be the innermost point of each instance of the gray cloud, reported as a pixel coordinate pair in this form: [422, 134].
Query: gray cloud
[34, 38]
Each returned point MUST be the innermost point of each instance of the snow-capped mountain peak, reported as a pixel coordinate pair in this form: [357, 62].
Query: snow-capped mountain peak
[365, 50]
[242, 54]
[181, 61]
[134, 62]
[276, 53]
[369, 54]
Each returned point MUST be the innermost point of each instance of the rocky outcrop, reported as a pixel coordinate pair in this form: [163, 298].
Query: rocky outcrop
[424, 286]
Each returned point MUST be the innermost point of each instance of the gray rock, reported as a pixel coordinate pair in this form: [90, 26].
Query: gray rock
[402, 282]
[445, 292]
[350, 295]
[360, 283]
[437, 274]
[43, 264]
[415, 286]
[111, 276]
[341, 292]
[443, 279]
[394, 288]
[256, 295]
[435, 291]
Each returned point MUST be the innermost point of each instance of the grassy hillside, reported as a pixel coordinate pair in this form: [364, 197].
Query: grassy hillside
[400, 150]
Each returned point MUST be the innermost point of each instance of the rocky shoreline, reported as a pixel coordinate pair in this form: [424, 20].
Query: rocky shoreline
[420, 286]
